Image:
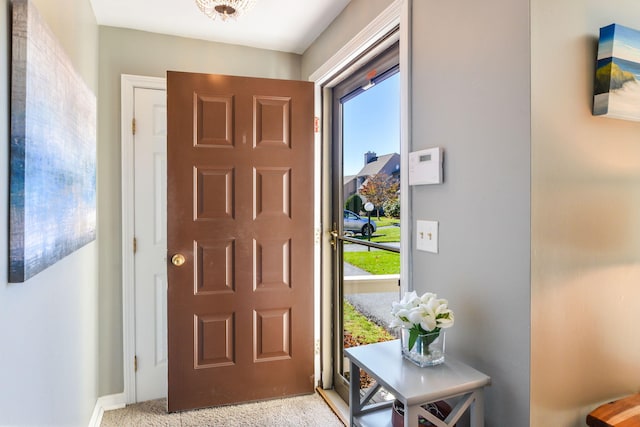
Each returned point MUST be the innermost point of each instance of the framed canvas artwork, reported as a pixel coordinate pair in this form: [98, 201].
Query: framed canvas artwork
[617, 85]
[52, 194]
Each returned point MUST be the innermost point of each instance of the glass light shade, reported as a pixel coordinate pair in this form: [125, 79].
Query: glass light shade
[224, 9]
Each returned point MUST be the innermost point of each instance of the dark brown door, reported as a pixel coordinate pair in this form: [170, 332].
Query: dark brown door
[240, 212]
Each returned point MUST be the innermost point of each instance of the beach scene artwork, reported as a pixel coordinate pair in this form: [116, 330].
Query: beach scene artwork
[617, 82]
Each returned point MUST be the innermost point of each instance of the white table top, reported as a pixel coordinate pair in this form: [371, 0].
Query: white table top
[411, 384]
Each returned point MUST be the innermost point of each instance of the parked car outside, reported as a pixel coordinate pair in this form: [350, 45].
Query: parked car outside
[357, 224]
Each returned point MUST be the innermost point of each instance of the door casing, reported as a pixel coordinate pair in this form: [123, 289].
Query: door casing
[398, 12]
[386, 64]
[128, 84]
[329, 74]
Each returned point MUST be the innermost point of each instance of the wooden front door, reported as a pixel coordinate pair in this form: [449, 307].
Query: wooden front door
[240, 239]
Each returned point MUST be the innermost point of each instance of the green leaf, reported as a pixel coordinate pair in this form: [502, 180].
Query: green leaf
[413, 336]
[422, 337]
[431, 337]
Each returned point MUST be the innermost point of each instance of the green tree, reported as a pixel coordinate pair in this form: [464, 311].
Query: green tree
[354, 203]
[379, 188]
[392, 208]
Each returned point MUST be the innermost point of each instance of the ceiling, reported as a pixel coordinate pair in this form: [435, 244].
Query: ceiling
[284, 25]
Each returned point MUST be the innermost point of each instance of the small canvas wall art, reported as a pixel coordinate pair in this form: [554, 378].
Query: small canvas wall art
[617, 82]
[52, 206]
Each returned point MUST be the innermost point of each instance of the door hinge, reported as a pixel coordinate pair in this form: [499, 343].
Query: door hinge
[135, 363]
[133, 126]
[135, 245]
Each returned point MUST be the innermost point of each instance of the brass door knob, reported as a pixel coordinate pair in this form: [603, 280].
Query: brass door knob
[178, 260]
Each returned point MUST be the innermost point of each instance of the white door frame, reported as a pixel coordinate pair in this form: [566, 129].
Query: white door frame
[398, 13]
[128, 85]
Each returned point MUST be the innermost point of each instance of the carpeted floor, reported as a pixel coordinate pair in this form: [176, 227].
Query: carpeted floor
[298, 411]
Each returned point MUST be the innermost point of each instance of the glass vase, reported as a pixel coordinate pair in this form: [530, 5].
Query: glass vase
[428, 349]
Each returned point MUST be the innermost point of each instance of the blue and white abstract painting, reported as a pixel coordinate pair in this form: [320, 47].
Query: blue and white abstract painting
[617, 82]
[52, 206]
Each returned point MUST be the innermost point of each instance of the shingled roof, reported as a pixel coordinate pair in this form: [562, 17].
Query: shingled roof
[376, 166]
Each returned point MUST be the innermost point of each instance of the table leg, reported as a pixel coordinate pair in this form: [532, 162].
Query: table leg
[477, 409]
[411, 415]
[355, 406]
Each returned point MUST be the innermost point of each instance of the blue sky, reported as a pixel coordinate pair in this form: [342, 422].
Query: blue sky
[620, 42]
[372, 123]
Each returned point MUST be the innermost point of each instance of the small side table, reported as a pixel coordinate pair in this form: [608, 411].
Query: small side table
[413, 386]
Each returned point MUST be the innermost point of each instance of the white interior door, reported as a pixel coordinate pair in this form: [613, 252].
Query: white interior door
[150, 226]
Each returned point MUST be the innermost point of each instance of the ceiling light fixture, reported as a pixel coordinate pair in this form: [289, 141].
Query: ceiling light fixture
[224, 9]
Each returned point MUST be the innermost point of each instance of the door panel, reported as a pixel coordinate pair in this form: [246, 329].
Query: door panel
[150, 229]
[240, 209]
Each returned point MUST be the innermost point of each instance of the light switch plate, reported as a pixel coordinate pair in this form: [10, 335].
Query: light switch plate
[427, 236]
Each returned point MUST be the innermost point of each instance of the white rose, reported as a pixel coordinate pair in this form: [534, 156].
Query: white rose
[445, 319]
[401, 318]
[428, 323]
[440, 306]
[424, 318]
[426, 297]
[430, 306]
[396, 323]
[408, 298]
[428, 311]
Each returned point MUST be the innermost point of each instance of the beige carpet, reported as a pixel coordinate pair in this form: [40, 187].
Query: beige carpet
[299, 411]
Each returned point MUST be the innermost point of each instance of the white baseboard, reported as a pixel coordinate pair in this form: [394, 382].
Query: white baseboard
[106, 403]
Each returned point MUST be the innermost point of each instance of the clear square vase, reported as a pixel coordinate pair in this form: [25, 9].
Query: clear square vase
[428, 349]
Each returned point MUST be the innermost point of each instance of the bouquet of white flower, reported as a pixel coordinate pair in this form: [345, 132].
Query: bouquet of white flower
[421, 315]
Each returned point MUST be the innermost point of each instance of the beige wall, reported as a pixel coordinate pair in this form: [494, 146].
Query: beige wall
[585, 221]
[48, 325]
[125, 51]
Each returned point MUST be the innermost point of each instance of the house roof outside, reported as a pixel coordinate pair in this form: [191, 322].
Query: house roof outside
[381, 164]
[348, 178]
[388, 164]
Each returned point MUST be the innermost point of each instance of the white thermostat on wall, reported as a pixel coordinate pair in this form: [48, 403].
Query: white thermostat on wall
[425, 166]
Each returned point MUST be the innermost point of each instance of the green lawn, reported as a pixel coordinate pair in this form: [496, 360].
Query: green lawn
[384, 221]
[375, 262]
[385, 235]
[362, 329]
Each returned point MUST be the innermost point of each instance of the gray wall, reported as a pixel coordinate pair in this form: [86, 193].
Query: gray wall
[470, 89]
[585, 221]
[48, 325]
[540, 211]
[125, 51]
[471, 82]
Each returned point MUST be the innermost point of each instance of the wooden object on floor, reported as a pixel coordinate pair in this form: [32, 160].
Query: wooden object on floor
[620, 413]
